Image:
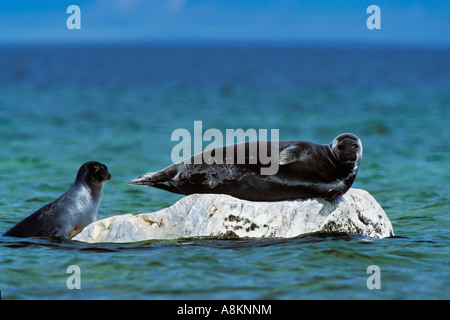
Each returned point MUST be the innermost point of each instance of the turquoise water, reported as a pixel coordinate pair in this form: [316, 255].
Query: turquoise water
[60, 107]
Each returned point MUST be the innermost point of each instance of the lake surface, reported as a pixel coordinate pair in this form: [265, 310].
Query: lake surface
[62, 106]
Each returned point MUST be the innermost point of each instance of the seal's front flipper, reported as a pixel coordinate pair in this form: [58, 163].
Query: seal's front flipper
[292, 154]
[333, 194]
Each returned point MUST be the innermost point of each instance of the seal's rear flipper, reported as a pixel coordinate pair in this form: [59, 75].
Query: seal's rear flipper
[145, 179]
[153, 179]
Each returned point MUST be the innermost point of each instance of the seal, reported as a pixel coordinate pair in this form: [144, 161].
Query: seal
[306, 170]
[70, 213]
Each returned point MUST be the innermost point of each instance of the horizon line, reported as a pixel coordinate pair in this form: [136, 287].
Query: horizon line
[230, 43]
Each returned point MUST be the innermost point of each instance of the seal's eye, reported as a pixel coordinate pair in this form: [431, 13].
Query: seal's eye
[95, 169]
[354, 146]
[340, 147]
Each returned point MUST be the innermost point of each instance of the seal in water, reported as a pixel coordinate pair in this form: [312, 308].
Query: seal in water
[306, 170]
[69, 214]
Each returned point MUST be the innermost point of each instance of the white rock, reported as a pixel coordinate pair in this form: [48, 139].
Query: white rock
[222, 215]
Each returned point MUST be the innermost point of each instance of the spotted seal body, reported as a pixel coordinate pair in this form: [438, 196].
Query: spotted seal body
[306, 170]
[69, 214]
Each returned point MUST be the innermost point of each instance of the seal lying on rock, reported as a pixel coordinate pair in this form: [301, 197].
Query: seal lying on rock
[69, 214]
[306, 170]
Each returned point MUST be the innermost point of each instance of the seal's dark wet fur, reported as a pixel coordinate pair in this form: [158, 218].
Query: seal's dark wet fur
[306, 170]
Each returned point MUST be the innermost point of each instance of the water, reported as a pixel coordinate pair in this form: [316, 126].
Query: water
[62, 106]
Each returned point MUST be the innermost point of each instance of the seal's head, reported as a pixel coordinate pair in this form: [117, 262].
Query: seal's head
[347, 147]
[93, 173]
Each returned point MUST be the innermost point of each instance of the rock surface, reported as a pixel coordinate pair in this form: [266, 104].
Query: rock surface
[222, 215]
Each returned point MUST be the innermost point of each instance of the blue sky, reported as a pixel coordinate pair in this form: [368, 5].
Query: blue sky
[418, 23]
